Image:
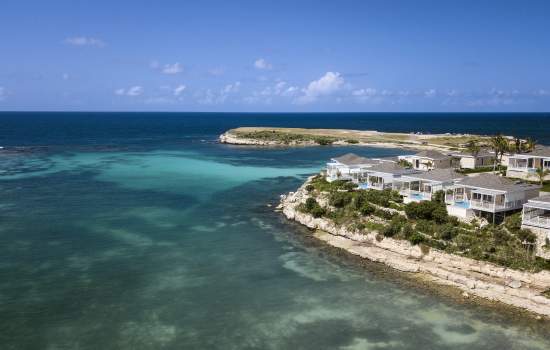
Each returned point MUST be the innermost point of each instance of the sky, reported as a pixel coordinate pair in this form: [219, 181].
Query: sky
[275, 56]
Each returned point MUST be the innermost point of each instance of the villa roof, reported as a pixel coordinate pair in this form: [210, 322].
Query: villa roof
[354, 159]
[540, 202]
[435, 155]
[496, 183]
[439, 175]
[391, 168]
[541, 151]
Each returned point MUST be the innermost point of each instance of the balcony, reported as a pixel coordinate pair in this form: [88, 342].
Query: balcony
[537, 221]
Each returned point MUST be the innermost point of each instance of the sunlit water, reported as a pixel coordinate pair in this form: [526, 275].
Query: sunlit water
[176, 248]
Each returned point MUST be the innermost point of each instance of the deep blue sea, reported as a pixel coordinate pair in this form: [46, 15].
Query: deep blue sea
[140, 231]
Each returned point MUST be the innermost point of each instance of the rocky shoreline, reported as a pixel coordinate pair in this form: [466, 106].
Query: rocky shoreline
[482, 279]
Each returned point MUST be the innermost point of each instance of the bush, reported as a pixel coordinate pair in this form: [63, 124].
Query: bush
[526, 236]
[312, 207]
[447, 232]
[407, 231]
[439, 197]
[394, 227]
[384, 214]
[427, 210]
[513, 222]
[310, 188]
[416, 238]
[352, 141]
[340, 199]
[367, 209]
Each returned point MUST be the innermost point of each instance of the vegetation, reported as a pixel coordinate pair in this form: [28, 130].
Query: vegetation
[481, 170]
[426, 224]
[286, 137]
[541, 174]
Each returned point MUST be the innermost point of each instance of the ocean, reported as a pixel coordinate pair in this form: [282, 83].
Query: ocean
[140, 231]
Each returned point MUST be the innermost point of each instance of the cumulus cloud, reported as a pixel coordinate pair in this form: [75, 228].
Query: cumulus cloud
[328, 84]
[178, 90]
[172, 68]
[261, 63]
[131, 91]
[84, 41]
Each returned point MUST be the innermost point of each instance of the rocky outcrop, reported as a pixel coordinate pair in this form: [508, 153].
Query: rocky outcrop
[486, 280]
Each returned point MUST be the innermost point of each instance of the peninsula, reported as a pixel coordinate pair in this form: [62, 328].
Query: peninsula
[275, 136]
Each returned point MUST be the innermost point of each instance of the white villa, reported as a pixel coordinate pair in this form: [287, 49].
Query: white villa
[488, 195]
[428, 160]
[470, 161]
[343, 167]
[353, 167]
[525, 165]
[536, 217]
[421, 186]
[383, 175]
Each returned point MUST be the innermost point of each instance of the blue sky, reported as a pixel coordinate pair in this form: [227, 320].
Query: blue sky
[275, 55]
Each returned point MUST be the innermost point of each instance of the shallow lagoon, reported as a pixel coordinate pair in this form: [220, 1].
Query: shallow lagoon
[171, 248]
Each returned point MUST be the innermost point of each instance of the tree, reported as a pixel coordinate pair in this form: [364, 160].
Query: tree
[473, 147]
[500, 145]
[530, 144]
[542, 173]
[518, 145]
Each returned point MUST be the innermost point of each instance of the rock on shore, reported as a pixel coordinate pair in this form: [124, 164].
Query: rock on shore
[517, 288]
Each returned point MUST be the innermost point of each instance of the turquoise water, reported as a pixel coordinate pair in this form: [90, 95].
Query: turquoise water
[157, 245]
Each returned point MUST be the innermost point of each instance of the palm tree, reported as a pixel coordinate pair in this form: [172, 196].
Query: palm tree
[518, 144]
[530, 144]
[473, 147]
[500, 145]
[542, 173]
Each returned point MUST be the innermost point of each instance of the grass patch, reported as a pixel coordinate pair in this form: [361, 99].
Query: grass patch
[286, 137]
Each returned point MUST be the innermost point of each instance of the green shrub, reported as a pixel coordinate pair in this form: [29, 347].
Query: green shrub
[407, 231]
[310, 188]
[447, 232]
[439, 197]
[352, 141]
[393, 228]
[513, 222]
[384, 214]
[427, 210]
[416, 238]
[312, 207]
[340, 199]
[367, 209]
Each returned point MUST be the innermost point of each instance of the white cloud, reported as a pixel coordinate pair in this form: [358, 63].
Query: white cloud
[131, 91]
[84, 41]
[542, 92]
[430, 93]
[172, 68]
[179, 89]
[65, 76]
[261, 63]
[328, 84]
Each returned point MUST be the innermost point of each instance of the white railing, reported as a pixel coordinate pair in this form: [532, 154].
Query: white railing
[538, 221]
[492, 206]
